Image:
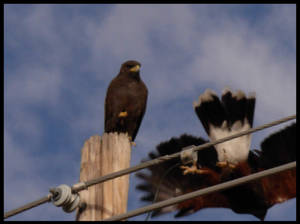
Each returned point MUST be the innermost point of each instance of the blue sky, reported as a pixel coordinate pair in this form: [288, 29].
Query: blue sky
[59, 60]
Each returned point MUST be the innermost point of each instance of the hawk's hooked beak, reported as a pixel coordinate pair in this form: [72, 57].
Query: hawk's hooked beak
[135, 68]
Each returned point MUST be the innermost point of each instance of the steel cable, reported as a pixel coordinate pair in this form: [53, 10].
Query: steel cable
[83, 185]
[215, 188]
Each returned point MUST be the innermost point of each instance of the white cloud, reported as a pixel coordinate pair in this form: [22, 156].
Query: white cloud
[280, 24]
[64, 64]
[34, 85]
[248, 64]
[21, 183]
[233, 54]
[29, 174]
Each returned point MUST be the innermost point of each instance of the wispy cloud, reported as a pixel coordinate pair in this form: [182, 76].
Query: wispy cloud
[59, 60]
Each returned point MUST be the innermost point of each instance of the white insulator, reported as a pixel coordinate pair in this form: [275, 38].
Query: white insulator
[64, 195]
[73, 204]
[65, 198]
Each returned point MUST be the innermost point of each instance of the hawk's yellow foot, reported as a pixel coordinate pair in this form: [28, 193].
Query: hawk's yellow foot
[131, 142]
[123, 114]
[193, 170]
[224, 164]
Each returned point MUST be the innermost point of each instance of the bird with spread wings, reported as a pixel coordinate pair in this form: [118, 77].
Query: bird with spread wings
[226, 161]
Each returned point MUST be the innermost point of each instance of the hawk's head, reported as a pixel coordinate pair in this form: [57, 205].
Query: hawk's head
[130, 67]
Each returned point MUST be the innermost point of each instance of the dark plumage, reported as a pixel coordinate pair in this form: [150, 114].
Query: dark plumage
[125, 101]
[233, 113]
[253, 198]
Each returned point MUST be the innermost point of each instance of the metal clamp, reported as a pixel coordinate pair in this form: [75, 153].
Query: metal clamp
[63, 197]
[188, 155]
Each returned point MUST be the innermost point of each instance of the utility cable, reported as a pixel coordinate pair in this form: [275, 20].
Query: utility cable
[212, 189]
[158, 186]
[162, 159]
[84, 185]
[28, 206]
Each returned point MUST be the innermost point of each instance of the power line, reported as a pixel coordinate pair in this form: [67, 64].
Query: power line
[215, 188]
[83, 185]
[175, 155]
[159, 184]
[28, 206]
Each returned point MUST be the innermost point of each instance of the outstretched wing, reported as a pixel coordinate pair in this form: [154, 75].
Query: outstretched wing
[258, 196]
[168, 178]
[253, 198]
[278, 149]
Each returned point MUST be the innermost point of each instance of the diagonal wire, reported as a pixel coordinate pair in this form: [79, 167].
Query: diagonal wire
[158, 186]
[175, 155]
[215, 188]
[83, 185]
[28, 206]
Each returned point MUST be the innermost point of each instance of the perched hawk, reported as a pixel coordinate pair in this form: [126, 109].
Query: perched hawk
[224, 162]
[126, 99]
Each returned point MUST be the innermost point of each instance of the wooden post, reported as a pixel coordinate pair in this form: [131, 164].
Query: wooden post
[101, 156]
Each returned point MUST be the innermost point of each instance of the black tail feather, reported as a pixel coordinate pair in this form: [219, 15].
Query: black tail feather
[233, 107]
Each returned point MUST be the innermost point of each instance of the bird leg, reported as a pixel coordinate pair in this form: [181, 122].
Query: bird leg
[224, 164]
[123, 114]
[131, 142]
[193, 169]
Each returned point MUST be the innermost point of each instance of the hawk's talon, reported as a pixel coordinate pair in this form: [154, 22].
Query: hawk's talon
[193, 170]
[132, 143]
[123, 114]
[224, 164]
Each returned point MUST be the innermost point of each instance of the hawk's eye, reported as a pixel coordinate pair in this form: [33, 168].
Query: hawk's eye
[129, 66]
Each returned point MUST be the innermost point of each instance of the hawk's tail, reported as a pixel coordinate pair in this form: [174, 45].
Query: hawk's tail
[224, 113]
[223, 117]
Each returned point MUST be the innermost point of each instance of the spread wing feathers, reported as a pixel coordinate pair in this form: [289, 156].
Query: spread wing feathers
[278, 149]
[172, 183]
[252, 198]
[230, 115]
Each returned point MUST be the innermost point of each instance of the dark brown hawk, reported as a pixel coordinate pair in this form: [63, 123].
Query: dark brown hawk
[224, 162]
[125, 102]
